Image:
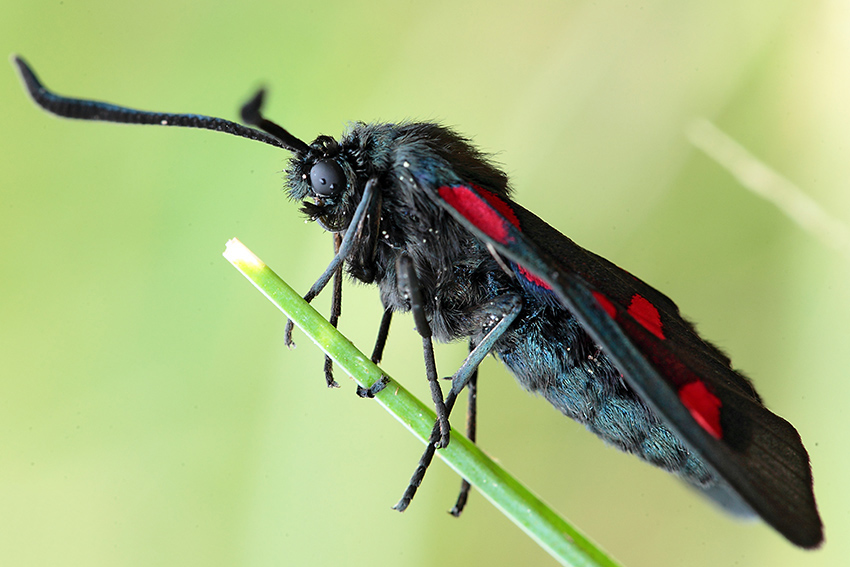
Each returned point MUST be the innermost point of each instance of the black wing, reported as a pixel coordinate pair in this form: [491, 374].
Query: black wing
[688, 382]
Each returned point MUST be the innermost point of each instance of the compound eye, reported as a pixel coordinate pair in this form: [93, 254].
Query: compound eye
[327, 178]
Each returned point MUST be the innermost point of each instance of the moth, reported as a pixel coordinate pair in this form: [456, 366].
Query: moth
[419, 212]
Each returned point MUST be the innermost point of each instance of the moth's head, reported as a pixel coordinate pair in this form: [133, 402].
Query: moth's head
[318, 176]
[322, 179]
[319, 173]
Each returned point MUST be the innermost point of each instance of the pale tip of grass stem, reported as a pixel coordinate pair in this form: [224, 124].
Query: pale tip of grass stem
[239, 255]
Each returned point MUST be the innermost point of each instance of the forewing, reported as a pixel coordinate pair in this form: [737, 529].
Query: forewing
[687, 382]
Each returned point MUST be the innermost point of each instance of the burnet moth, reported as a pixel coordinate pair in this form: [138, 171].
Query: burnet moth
[418, 211]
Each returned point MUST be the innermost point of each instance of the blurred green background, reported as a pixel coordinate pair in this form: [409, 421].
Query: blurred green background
[150, 412]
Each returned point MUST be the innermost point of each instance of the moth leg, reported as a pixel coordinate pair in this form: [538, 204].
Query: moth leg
[408, 281]
[383, 332]
[336, 311]
[377, 354]
[355, 227]
[503, 309]
[471, 418]
[374, 389]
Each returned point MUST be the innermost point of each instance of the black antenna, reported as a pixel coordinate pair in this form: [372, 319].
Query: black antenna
[83, 109]
[251, 115]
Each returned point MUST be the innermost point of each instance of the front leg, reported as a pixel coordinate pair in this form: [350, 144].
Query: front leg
[336, 311]
[355, 228]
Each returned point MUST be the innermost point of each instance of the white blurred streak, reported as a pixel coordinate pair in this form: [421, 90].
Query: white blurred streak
[756, 176]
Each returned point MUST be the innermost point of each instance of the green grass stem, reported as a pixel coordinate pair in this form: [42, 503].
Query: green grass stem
[564, 542]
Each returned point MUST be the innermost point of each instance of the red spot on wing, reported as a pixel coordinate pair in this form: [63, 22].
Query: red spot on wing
[647, 315]
[470, 204]
[703, 405]
[606, 304]
[504, 209]
[532, 278]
